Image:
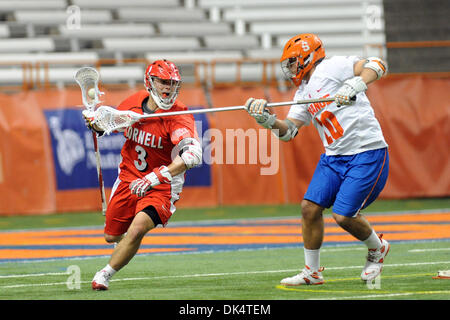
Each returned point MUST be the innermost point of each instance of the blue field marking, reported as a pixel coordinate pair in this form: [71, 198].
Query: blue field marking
[257, 238]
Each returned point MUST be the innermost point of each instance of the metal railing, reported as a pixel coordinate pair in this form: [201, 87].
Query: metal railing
[36, 74]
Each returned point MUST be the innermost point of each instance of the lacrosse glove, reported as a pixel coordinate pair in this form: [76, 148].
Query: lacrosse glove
[89, 118]
[346, 95]
[159, 175]
[257, 109]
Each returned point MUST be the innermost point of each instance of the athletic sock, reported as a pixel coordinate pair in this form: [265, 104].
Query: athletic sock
[373, 241]
[109, 270]
[312, 259]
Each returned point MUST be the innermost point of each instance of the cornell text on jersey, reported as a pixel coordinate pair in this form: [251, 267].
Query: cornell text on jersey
[144, 138]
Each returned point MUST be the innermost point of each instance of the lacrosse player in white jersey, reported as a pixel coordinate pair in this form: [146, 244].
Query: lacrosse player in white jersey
[354, 168]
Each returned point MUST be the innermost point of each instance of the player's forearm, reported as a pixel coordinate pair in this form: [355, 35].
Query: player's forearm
[177, 166]
[368, 75]
[281, 126]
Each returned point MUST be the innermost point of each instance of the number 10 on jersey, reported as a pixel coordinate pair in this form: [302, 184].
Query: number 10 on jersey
[329, 121]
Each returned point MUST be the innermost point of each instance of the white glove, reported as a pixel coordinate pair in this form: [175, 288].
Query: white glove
[350, 89]
[159, 175]
[89, 117]
[257, 109]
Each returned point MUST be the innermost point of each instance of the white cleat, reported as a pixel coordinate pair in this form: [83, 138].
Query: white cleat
[306, 277]
[375, 259]
[101, 280]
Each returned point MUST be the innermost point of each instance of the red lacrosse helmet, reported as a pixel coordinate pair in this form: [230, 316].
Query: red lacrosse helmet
[300, 54]
[162, 80]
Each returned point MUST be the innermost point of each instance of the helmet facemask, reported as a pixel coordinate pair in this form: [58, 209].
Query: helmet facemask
[164, 91]
[295, 68]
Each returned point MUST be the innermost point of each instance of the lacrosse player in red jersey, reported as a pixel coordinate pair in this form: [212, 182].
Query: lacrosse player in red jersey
[354, 169]
[154, 158]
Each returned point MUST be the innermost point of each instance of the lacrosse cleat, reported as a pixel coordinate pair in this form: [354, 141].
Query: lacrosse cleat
[306, 277]
[101, 280]
[375, 259]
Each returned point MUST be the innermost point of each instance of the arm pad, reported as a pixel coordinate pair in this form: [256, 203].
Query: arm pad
[191, 152]
[290, 133]
[377, 65]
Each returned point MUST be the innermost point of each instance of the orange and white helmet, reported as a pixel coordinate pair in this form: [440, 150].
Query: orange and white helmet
[300, 54]
[165, 92]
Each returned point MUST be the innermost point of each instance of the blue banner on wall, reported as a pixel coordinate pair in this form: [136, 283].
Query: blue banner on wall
[74, 155]
[73, 151]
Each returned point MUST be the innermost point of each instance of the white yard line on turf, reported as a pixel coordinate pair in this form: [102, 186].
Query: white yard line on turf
[214, 274]
[387, 295]
[33, 275]
[427, 250]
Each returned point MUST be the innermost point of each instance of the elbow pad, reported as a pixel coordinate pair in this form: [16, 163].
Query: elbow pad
[290, 133]
[377, 65]
[190, 152]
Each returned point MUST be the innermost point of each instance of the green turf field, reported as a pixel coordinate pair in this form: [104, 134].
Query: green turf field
[238, 275]
[232, 275]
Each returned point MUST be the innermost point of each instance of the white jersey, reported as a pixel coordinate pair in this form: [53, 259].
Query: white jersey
[344, 130]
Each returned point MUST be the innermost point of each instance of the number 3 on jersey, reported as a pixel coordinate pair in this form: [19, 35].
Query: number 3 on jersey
[329, 121]
[141, 162]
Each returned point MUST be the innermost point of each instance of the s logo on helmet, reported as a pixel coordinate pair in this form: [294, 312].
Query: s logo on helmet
[305, 46]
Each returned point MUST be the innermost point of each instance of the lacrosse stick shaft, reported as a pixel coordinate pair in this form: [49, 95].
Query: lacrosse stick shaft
[87, 78]
[99, 172]
[233, 108]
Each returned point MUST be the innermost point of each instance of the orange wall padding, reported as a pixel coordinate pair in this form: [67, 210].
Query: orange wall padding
[413, 113]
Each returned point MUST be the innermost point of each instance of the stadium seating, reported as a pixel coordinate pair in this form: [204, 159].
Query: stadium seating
[27, 45]
[60, 17]
[233, 42]
[189, 30]
[115, 4]
[4, 31]
[194, 28]
[99, 31]
[134, 45]
[203, 55]
[161, 14]
[51, 57]
[12, 5]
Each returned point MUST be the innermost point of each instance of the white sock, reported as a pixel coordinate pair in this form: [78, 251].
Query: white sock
[373, 242]
[312, 259]
[109, 270]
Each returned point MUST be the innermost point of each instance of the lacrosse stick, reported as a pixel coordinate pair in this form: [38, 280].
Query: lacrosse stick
[110, 119]
[87, 78]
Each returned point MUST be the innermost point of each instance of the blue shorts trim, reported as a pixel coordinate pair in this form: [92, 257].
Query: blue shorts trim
[349, 183]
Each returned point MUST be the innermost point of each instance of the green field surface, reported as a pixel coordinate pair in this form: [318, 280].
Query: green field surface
[236, 274]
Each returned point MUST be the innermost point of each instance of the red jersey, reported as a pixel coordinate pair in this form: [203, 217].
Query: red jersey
[149, 143]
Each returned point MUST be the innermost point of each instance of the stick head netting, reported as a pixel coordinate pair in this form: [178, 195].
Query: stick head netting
[87, 78]
[109, 119]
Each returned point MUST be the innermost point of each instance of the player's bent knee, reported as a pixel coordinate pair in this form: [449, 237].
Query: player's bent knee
[342, 220]
[112, 239]
[137, 232]
[142, 224]
[310, 210]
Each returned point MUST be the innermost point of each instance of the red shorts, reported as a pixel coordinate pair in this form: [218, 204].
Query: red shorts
[123, 206]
